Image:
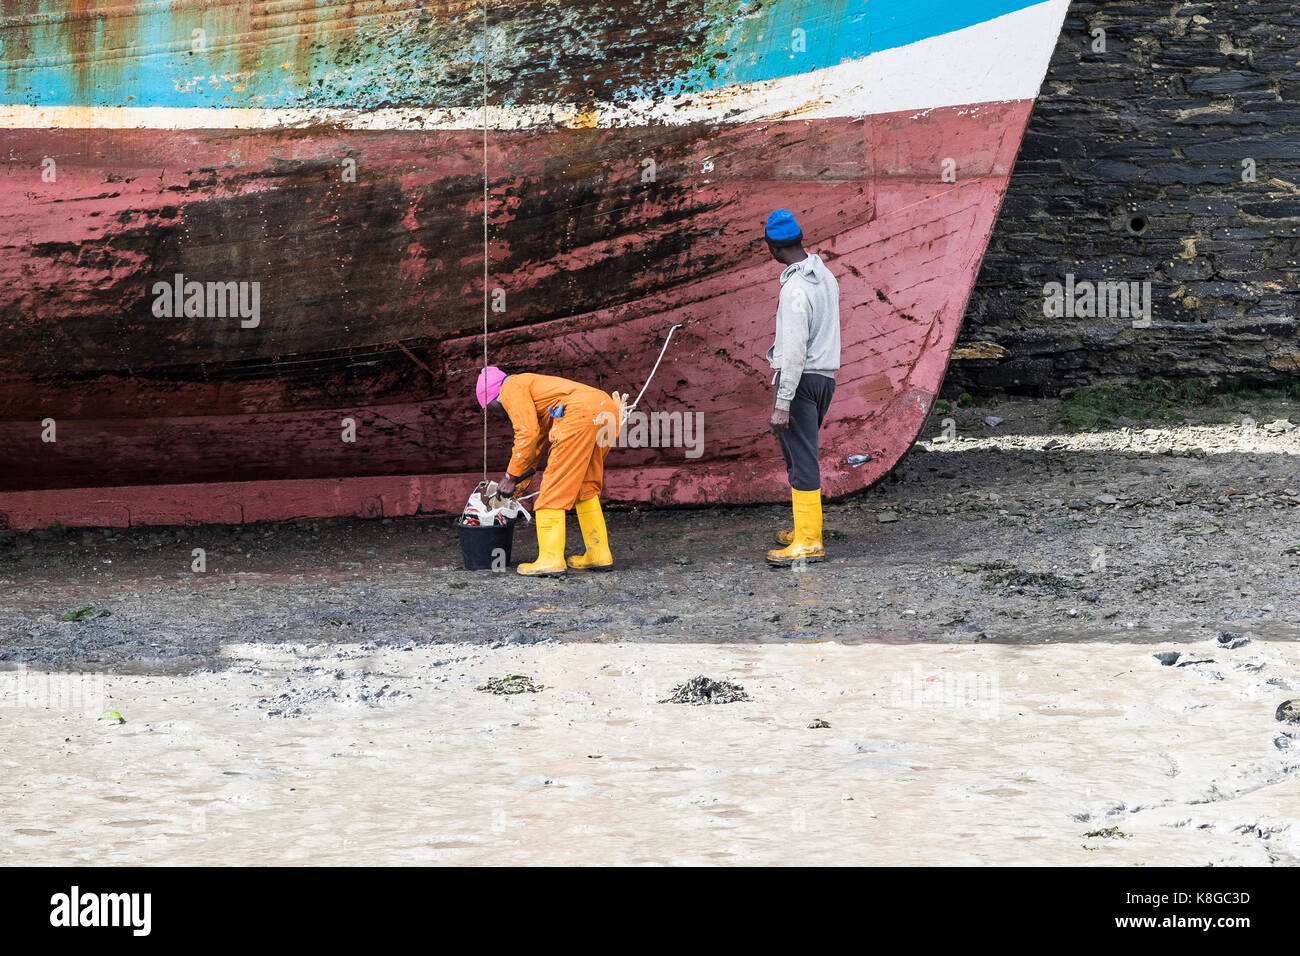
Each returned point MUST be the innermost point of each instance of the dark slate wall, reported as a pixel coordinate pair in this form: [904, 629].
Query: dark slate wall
[1131, 169]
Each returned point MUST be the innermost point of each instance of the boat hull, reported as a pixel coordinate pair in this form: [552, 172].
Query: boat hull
[352, 392]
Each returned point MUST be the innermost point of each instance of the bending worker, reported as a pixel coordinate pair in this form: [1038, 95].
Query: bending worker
[575, 418]
[805, 355]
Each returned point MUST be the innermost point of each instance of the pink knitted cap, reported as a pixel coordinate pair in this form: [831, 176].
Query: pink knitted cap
[489, 385]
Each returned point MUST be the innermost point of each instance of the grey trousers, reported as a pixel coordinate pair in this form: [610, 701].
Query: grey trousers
[799, 442]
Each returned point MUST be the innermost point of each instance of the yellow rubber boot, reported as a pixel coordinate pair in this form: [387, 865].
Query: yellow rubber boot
[592, 521]
[784, 536]
[550, 544]
[806, 542]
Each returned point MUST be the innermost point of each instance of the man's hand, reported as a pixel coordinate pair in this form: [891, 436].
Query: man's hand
[506, 486]
[780, 420]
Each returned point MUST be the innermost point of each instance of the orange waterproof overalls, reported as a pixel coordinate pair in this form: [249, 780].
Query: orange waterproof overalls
[575, 470]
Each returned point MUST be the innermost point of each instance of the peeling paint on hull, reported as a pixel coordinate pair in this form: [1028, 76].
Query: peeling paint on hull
[372, 296]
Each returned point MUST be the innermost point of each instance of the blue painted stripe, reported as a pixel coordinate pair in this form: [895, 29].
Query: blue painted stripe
[149, 55]
[832, 32]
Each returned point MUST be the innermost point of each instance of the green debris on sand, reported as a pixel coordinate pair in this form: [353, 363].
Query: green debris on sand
[1107, 833]
[89, 612]
[1041, 582]
[511, 684]
[113, 717]
[987, 566]
[1101, 406]
[1161, 401]
[703, 690]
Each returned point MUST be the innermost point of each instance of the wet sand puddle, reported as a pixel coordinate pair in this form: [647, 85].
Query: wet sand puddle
[1092, 754]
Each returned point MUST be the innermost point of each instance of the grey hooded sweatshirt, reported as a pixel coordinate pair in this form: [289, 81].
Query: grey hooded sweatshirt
[807, 326]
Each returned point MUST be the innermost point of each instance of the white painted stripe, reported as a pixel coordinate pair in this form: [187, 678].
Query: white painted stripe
[996, 61]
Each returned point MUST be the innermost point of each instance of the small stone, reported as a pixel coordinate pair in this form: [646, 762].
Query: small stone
[818, 724]
[1288, 712]
[1107, 499]
[519, 637]
[887, 517]
[993, 421]
[1230, 639]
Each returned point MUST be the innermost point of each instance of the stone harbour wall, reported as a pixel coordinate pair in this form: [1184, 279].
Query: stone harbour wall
[1164, 150]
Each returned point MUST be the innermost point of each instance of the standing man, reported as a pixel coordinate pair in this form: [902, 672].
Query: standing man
[805, 355]
[573, 417]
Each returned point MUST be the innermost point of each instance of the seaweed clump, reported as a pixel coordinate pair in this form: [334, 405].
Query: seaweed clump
[511, 684]
[703, 690]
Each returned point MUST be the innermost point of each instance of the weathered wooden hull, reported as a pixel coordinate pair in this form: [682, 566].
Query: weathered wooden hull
[371, 306]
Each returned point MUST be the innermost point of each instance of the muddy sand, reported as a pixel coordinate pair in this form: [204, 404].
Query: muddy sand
[1028, 646]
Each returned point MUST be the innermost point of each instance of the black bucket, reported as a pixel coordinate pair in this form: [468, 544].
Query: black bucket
[482, 545]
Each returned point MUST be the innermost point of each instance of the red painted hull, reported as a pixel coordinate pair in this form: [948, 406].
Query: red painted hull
[372, 304]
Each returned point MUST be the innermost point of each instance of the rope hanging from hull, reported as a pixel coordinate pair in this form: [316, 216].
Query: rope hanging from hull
[485, 228]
